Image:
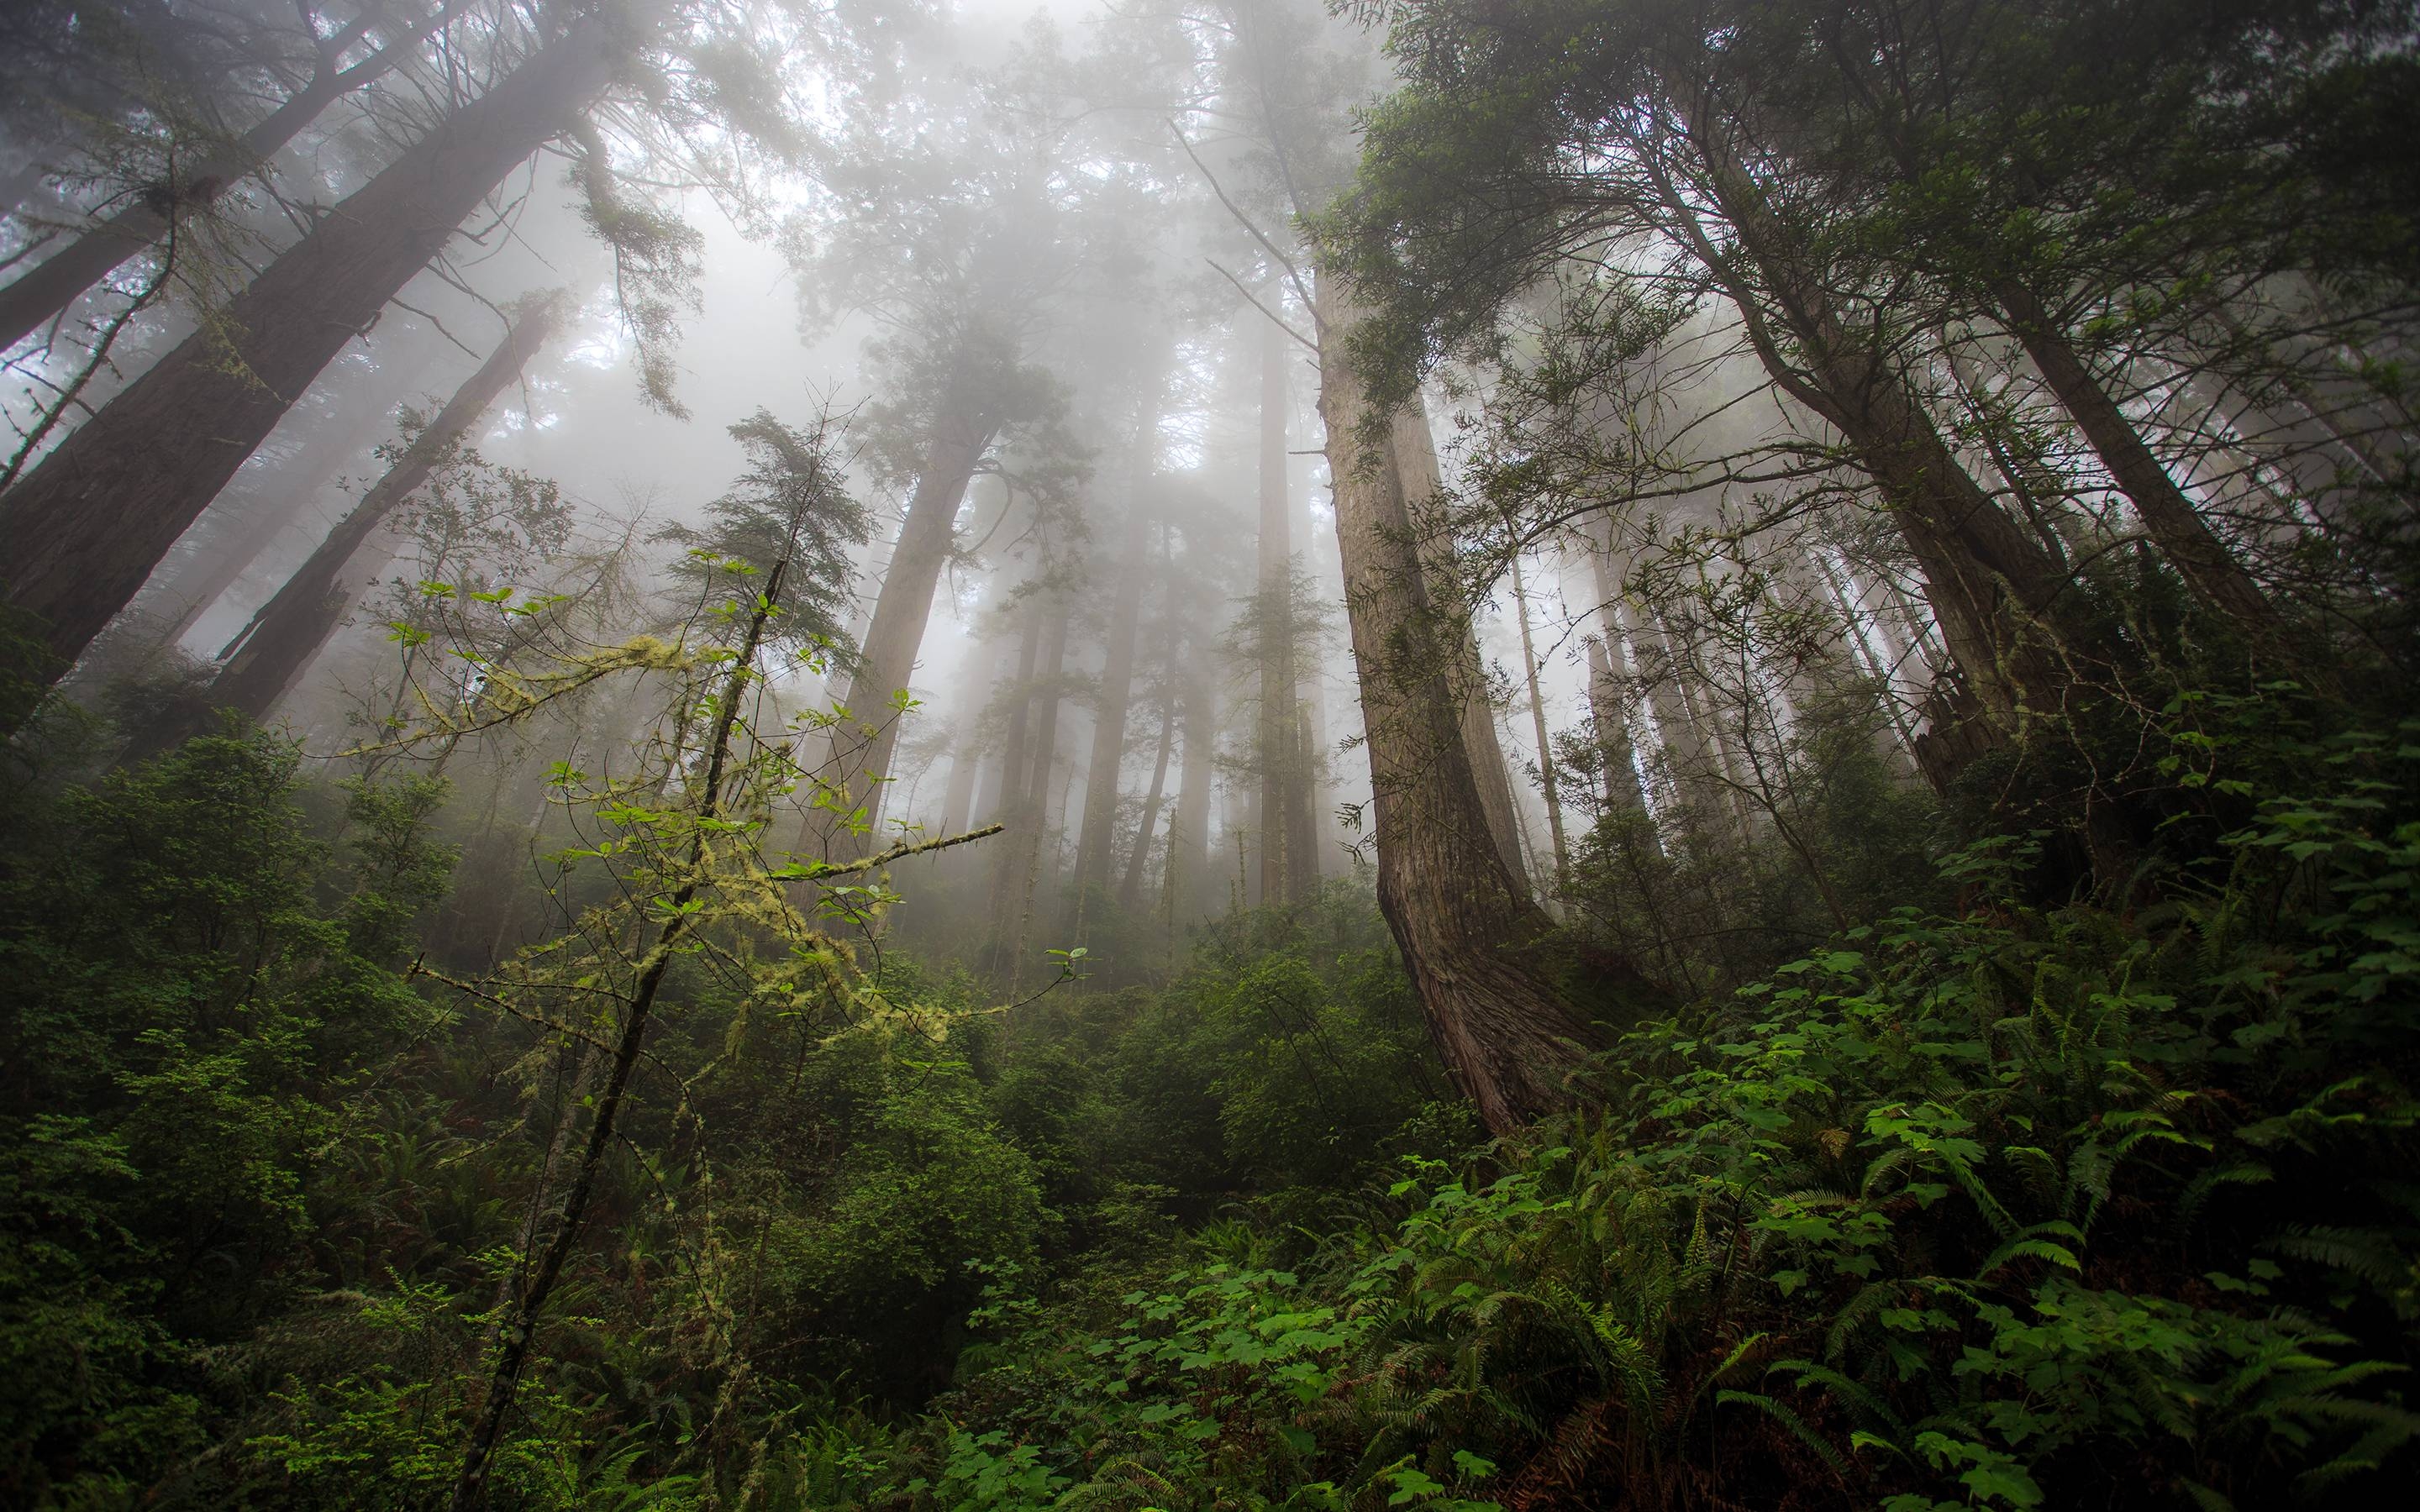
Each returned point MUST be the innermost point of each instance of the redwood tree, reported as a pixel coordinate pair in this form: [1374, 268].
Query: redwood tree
[54, 284]
[88, 524]
[1461, 915]
[264, 659]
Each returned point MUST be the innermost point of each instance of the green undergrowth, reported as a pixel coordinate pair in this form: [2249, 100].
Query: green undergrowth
[2018, 1207]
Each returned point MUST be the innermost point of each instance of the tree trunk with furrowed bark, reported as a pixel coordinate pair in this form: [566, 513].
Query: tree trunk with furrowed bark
[1458, 912]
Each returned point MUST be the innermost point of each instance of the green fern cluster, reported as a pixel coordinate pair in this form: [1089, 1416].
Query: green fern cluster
[2023, 1207]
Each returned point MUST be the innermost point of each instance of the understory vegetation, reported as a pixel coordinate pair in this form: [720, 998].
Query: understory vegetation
[2005, 1200]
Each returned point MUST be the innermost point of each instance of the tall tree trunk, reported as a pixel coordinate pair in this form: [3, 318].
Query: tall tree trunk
[957, 800]
[1013, 775]
[1898, 741]
[1457, 911]
[1546, 743]
[1008, 804]
[1273, 598]
[1130, 887]
[1412, 454]
[1098, 841]
[987, 668]
[1995, 594]
[1609, 687]
[862, 746]
[362, 410]
[89, 523]
[2183, 536]
[47, 290]
[1188, 846]
[1027, 812]
[269, 654]
[1317, 789]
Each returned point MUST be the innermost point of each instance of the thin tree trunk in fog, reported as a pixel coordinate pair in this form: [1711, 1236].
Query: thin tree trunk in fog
[1096, 841]
[90, 523]
[270, 653]
[1413, 455]
[1457, 911]
[1900, 752]
[1609, 688]
[1130, 887]
[863, 744]
[520, 1334]
[1037, 802]
[1317, 792]
[47, 289]
[1011, 768]
[2183, 536]
[1020, 859]
[1281, 772]
[215, 566]
[986, 666]
[957, 800]
[1545, 745]
[1189, 847]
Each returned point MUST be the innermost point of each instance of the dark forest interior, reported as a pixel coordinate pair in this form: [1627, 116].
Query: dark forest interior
[1245, 756]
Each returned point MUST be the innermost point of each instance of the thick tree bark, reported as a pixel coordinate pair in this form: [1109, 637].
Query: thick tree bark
[1097, 842]
[1459, 913]
[46, 290]
[269, 654]
[88, 524]
[1413, 457]
[2183, 536]
[862, 746]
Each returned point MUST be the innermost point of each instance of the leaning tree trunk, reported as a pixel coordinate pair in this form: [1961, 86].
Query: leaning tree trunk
[88, 524]
[48, 289]
[1458, 912]
[1993, 591]
[362, 410]
[2183, 536]
[1098, 841]
[271, 652]
[862, 746]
